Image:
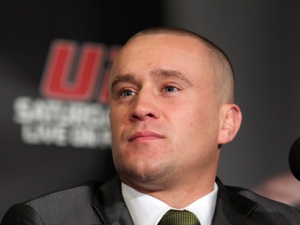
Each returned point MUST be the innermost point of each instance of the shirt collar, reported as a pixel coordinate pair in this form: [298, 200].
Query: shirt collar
[147, 210]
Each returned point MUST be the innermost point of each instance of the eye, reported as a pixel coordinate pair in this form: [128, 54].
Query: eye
[170, 89]
[126, 93]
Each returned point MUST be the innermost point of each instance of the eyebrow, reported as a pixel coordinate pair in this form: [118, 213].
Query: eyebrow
[121, 78]
[172, 73]
[159, 73]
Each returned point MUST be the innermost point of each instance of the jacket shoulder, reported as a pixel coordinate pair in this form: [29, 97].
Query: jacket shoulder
[267, 203]
[69, 206]
[278, 212]
[21, 214]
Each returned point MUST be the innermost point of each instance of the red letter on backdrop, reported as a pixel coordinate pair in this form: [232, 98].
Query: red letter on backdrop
[67, 77]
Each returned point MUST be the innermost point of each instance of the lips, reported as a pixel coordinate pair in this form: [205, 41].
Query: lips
[145, 135]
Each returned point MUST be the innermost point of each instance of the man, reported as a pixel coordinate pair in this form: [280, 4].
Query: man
[172, 108]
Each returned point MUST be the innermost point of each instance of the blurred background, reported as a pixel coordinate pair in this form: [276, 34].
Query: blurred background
[54, 61]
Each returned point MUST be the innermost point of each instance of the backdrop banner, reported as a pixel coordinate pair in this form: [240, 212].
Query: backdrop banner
[54, 62]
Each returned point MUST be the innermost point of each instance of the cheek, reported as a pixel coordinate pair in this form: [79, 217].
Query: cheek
[113, 126]
[116, 130]
[116, 118]
[199, 124]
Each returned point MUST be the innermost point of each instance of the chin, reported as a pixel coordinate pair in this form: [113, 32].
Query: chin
[143, 173]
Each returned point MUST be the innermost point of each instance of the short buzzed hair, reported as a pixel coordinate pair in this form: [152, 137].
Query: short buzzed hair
[219, 62]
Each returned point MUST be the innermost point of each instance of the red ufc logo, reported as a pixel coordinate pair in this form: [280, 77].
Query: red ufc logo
[78, 73]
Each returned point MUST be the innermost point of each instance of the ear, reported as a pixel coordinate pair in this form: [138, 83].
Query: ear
[230, 122]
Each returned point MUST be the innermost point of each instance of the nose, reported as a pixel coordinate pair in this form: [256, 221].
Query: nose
[145, 106]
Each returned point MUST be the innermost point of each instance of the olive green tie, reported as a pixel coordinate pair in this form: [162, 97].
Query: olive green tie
[177, 217]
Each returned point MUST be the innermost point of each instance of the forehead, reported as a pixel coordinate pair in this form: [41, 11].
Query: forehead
[184, 54]
[165, 44]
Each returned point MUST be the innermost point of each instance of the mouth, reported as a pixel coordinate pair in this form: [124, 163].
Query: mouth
[145, 136]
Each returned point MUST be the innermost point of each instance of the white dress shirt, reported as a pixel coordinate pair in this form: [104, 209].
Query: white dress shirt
[147, 210]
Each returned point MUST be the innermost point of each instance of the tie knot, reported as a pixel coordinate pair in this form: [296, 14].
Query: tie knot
[178, 217]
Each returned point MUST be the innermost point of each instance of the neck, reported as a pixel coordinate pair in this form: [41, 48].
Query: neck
[178, 195]
[181, 198]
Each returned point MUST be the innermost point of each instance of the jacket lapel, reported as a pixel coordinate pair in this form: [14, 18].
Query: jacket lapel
[110, 205]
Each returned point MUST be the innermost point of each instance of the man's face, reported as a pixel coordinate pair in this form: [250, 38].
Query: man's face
[164, 116]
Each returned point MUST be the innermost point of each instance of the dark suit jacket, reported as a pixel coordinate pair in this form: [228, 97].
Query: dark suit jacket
[89, 205]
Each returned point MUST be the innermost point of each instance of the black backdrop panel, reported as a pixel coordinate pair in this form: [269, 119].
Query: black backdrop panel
[54, 129]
